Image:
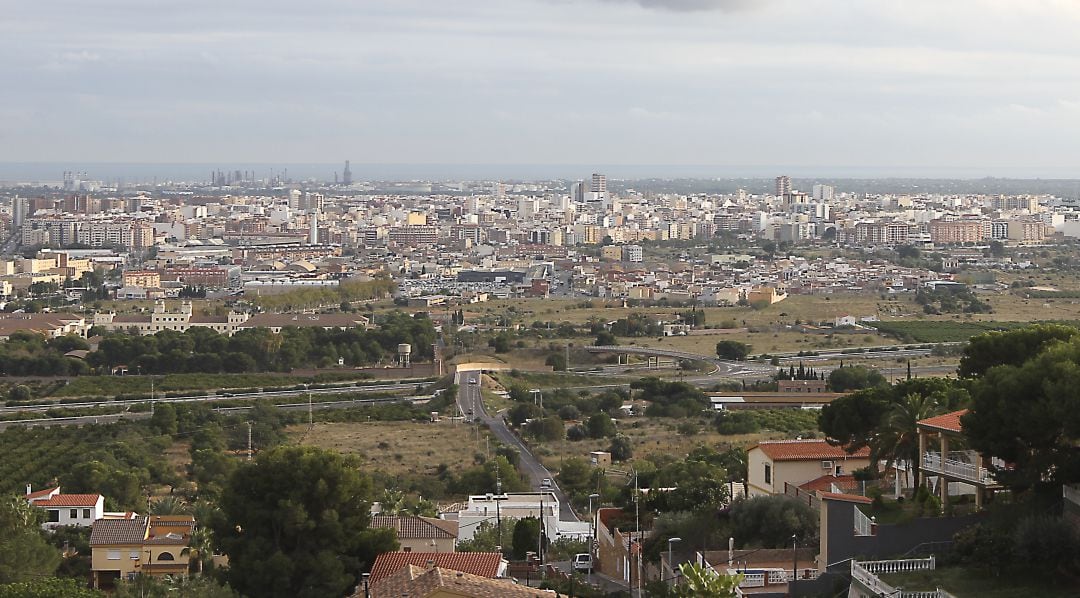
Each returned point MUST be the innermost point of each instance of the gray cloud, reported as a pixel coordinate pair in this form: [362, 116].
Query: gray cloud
[693, 5]
[962, 83]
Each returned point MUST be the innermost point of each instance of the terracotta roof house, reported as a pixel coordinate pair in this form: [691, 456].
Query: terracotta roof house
[953, 471]
[484, 564]
[124, 548]
[438, 582]
[420, 534]
[66, 509]
[775, 464]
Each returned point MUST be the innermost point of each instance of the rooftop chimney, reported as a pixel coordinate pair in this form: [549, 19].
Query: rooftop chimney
[29, 488]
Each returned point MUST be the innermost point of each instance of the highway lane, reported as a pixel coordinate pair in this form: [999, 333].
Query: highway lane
[127, 415]
[223, 396]
[471, 403]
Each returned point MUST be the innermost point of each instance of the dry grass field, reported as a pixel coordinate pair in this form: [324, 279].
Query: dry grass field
[401, 448]
[650, 436]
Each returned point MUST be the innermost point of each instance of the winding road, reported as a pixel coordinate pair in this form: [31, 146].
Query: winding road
[471, 403]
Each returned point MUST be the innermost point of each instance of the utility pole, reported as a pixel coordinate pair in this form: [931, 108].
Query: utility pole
[637, 528]
[540, 538]
[249, 442]
[310, 413]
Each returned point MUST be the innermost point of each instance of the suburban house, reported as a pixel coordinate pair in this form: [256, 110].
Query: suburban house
[419, 534]
[618, 552]
[440, 582]
[494, 508]
[766, 572]
[773, 465]
[124, 548]
[490, 565]
[80, 510]
[963, 470]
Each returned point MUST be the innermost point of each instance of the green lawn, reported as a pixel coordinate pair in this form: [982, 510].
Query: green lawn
[976, 583]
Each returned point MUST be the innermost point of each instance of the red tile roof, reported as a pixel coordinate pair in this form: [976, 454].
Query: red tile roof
[41, 493]
[69, 500]
[107, 532]
[484, 564]
[826, 482]
[950, 422]
[411, 580]
[807, 450]
[844, 497]
[416, 528]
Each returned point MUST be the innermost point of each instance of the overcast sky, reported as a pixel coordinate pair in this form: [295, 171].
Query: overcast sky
[989, 85]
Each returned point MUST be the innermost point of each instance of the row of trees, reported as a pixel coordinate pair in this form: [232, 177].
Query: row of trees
[346, 291]
[203, 350]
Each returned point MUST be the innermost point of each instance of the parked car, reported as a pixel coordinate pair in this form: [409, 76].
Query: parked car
[582, 561]
[545, 483]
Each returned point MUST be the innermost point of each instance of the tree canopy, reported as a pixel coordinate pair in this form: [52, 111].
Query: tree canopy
[295, 523]
[1012, 347]
[1029, 415]
[24, 554]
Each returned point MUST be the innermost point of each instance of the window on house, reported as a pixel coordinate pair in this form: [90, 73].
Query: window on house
[768, 473]
[134, 555]
[165, 556]
[86, 513]
[73, 514]
[113, 555]
[839, 470]
[54, 515]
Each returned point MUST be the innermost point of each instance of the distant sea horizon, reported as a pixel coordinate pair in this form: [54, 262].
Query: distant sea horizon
[160, 172]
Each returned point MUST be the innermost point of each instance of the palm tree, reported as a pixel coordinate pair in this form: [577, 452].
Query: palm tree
[701, 582]
[201, 547]
[897, 436]
[169, 505]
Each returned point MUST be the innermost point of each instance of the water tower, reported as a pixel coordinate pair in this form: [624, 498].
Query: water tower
[404, 352]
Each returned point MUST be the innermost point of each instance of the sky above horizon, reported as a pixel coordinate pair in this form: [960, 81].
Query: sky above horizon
[991, 86]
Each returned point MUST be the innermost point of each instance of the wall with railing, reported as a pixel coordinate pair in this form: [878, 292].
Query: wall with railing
[959, 465]
[865, 574]
[864, 526]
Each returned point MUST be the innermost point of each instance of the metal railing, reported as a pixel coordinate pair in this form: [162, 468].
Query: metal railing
[1071, 494]
[768, 577]
[866, 573]
[933, 463]
[864, 526]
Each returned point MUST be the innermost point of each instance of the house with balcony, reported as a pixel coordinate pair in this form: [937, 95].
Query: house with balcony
[774, 465]
[945, 459]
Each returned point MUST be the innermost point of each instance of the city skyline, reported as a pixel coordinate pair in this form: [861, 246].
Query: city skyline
[970, 89]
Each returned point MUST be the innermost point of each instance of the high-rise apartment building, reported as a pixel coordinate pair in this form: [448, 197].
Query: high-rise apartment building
[599, 183]
[823, 192]
[783, 186]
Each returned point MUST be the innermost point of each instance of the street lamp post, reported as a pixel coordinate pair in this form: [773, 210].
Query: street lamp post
[366, 577]
[794, 566]
[592, 538]
[670, 561]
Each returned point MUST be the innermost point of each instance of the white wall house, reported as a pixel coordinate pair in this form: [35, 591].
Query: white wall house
[509, 508]
[66, 509]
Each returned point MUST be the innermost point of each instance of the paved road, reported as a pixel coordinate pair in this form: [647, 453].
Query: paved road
[723, 368]
[127, 415]
[471, 404]
[224, 396]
